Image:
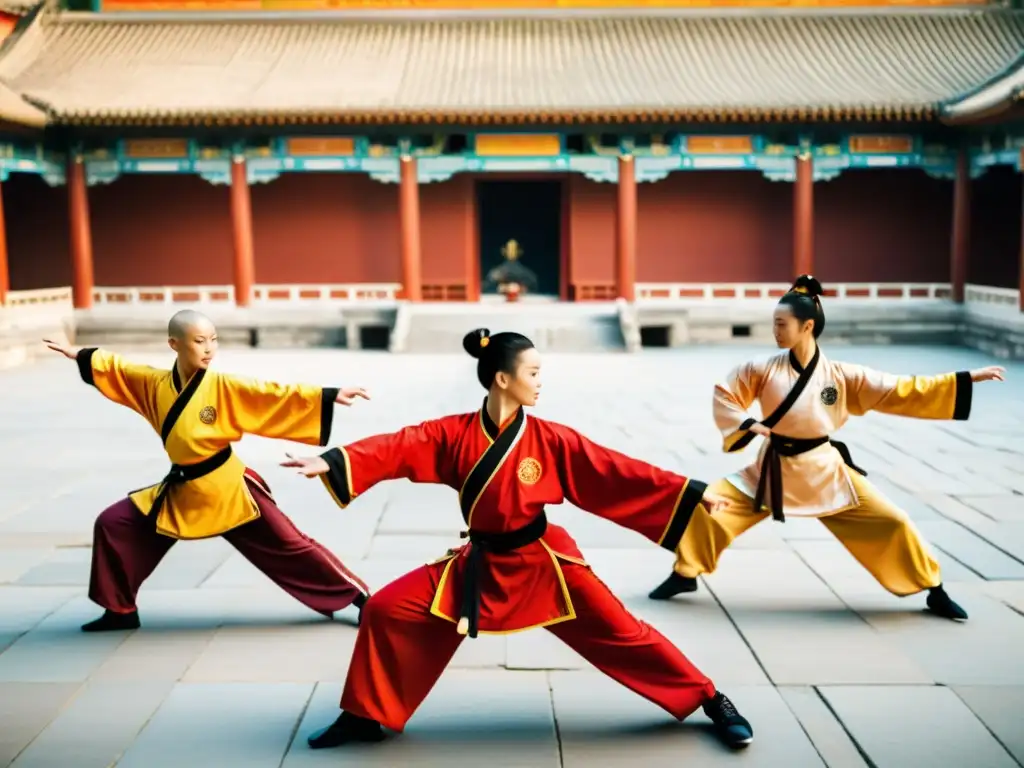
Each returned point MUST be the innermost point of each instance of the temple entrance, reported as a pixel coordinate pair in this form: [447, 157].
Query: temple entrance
[520, 230]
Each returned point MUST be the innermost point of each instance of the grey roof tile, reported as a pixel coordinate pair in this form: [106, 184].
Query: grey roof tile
[83, 68]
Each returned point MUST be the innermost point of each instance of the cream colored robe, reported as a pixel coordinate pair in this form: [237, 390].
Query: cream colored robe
[817, 483]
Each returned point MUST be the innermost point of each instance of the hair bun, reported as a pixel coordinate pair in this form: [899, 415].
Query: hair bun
[476, 341]
[807, 285]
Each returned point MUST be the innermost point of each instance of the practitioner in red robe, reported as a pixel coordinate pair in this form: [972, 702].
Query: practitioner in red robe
[198, 414]
[518, 571]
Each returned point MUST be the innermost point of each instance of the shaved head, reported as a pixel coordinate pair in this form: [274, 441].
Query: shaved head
[193, 336]
[185, 320]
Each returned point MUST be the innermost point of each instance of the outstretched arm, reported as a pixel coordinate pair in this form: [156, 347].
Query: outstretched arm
[655, 503]
[298, 412]
[114, 377]
[946, 396]
[732, 400]
[416, 453]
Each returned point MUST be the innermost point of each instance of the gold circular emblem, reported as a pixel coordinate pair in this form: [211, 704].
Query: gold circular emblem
[208, 415]
[529, 471]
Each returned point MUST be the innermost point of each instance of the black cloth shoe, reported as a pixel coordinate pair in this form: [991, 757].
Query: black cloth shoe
[360, 601]
[942, 605]
[111, 621]
[732, 727]
[345, 729]
[672, 586]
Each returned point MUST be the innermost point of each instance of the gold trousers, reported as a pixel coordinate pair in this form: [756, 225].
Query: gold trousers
[878, 534]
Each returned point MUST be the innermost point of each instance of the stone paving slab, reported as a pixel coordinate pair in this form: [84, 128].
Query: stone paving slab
[96, 727]
[801, 632]
[25, 710]
[899, 726]
[602, 723]
[999, 708]
[492, 718]
[826, 732]
[212, 724]
[230, 670]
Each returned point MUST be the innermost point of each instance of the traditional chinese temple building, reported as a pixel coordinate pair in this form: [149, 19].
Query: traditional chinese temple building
[240, 149]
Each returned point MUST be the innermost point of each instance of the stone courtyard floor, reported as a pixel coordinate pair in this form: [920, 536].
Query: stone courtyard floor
[228, 671]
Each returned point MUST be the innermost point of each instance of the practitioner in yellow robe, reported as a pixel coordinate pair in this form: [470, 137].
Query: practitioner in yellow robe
[801, 472]
[209, 491]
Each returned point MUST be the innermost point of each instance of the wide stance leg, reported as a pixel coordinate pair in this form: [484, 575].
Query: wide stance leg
[400, 652]
[639, 657]
[884, 540]
[302, 567]
[126, 549]
[706, 537]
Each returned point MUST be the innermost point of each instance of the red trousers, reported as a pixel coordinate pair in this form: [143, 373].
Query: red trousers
[402, 649]
[127, 548]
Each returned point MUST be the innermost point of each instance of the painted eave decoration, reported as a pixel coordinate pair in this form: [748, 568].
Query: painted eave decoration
[710, 66]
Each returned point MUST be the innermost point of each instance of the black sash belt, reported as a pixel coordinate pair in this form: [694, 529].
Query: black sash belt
[182, 473]
[771, 467]
[481, 544]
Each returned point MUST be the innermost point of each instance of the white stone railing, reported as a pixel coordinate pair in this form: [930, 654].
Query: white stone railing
[42, 297]
[262, 294]
[761, 291]
[47, 308]
[991, 296]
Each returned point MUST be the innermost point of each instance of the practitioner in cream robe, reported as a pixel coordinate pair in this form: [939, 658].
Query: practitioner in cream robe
[801, 472]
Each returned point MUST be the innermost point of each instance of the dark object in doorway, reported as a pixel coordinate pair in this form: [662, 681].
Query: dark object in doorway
[741, 331]
[374, 337]
[655, 336]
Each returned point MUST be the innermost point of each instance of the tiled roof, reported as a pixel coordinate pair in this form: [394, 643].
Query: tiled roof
[993, 98]
[18, 7]
[85, 69]
[14, 109]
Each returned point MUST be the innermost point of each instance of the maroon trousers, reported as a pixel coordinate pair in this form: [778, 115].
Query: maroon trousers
[127, 548]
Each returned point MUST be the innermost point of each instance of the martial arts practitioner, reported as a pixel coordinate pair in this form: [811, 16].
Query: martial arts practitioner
[518, 571]
[208, 491]
[801, 472]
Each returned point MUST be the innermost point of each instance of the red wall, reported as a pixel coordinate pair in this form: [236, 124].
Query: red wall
[153, 230]
[996, 209]
[883, 225]
[38, 239]
[448, 237]
[871, 226]
[714, 226]
[591, 231]
[325, 228]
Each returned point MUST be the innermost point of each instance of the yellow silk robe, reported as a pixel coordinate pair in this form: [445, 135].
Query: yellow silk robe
[219, 412]
[817, 483]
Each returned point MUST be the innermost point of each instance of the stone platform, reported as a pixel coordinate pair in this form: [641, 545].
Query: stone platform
[228, 671]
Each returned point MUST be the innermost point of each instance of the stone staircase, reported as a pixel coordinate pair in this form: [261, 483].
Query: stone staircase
[553, 327]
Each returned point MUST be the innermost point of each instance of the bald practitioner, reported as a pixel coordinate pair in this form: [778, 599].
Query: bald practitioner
[208, 491]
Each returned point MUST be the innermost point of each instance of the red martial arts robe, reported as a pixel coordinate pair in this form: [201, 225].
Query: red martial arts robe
[529, 573]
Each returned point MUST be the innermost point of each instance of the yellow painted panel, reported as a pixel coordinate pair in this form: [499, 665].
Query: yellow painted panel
[518, 144]
[321, 145]
[156, 148]
[883, 145]
[719, 145]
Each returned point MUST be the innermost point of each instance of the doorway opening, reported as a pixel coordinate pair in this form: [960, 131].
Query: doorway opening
[520, 235]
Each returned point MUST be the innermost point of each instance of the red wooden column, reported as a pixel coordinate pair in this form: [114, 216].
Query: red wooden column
[409, 224]
[961, 237]
[803, 216]
[625, 230]
[241, 224]
[82, 280]
[5, 275]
